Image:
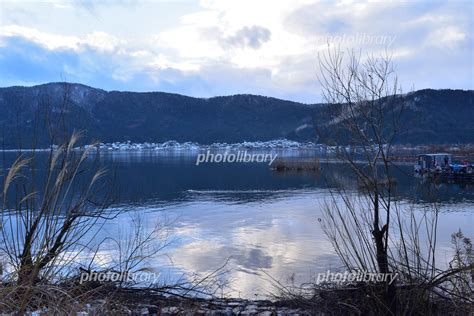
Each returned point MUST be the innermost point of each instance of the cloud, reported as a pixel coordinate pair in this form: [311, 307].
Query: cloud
[252, 37]
[48, 41]
[258, 243]
[96, 40]
[223, 47]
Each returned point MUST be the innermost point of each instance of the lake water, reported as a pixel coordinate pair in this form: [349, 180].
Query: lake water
[263, 224]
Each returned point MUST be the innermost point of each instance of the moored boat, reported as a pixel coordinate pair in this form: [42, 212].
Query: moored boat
[440, 166]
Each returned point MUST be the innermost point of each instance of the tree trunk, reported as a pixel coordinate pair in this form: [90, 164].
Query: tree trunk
[382, 258]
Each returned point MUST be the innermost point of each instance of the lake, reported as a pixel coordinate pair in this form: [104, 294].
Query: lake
[260, 223]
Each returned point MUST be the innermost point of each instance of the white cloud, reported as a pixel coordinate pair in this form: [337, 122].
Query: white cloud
[277, 41]
[162, 62]
[100, 41]
[449, 36]
[48, 41]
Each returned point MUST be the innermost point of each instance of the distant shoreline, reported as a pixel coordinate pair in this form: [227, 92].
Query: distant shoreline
[279, 144]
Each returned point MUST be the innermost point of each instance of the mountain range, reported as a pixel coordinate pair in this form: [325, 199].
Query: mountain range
[32, 116]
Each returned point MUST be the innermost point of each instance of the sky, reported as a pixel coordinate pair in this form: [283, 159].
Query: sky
[210, 47]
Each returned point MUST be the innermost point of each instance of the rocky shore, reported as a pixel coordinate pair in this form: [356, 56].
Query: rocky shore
[215, 307]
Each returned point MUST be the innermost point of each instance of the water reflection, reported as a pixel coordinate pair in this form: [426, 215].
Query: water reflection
[281, 238]
[257, 220]
[172, 176]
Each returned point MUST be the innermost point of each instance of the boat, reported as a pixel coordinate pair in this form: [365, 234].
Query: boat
[440, 167]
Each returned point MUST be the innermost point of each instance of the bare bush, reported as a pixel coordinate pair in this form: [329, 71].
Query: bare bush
[47, 222]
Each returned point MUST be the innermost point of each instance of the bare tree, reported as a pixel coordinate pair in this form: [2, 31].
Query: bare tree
[373, 231]
[362, 97]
